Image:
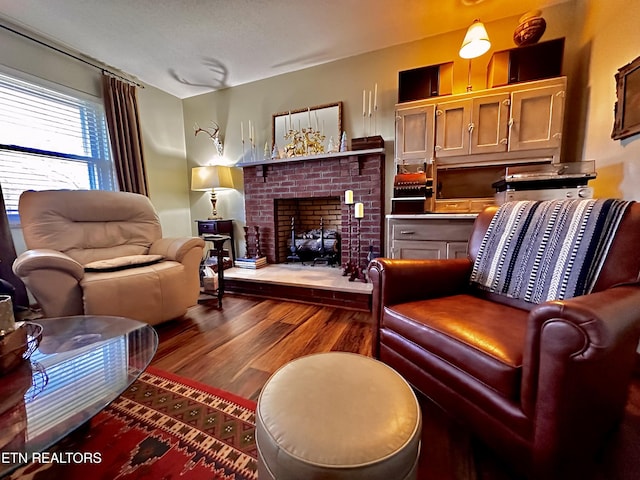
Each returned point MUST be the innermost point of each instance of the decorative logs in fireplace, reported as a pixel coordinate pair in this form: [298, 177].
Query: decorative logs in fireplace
[318, 246]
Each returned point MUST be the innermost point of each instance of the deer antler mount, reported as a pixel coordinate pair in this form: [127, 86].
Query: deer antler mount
[214, 135]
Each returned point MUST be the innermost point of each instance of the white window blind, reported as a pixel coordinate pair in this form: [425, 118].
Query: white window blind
[78, 384]
[50, 140]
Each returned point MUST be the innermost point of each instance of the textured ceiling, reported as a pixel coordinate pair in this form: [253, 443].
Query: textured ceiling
[189, 47]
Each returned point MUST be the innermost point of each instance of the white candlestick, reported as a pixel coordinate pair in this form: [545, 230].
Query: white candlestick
[348, 197]
[290, 124]
[369, 102]
[375, 98]
[242, 131]
[316, 115]
[364, 103]
[359, 210]
[250, 135]
[309, 115]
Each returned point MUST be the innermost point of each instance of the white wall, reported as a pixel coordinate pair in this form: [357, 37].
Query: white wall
[610, 37]
[163, 140]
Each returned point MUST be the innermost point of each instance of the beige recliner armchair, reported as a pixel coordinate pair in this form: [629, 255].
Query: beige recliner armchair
[102, 253]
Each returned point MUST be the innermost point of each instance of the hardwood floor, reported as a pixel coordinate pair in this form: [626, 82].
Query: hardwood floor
[239, 347]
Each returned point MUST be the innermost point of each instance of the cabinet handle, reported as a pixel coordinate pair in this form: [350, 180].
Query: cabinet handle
[506, 102]
[510, 122]
[470, 127]
[503, 141]
[438, 148]
[407, 232]
[560, 94]
[439, 112]
[557, 135]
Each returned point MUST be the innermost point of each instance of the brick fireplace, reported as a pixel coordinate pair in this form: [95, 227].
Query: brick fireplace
[318, 177]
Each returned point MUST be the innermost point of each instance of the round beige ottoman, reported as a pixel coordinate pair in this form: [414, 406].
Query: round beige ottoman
[337, 416]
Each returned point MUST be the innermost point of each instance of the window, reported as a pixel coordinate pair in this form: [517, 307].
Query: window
[50, 140]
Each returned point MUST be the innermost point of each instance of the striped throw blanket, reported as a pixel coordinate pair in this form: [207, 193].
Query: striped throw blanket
[550, 250]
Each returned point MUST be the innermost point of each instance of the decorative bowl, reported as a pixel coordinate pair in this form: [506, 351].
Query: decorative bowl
[530, 29]
[19, 345]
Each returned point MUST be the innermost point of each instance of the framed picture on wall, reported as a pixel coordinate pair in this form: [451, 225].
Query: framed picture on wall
[627, 107]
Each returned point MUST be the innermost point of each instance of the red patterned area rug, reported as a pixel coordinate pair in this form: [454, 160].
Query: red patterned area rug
[163, 427]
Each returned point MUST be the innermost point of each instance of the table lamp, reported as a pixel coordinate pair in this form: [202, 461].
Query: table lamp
[211, 178]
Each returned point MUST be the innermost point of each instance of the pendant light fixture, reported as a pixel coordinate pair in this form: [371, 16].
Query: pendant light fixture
[476, 42]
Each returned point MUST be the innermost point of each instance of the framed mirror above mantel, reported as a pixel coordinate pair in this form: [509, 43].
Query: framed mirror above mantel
[321, 123]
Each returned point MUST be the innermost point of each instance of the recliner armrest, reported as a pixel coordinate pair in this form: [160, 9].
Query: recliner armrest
[46, 259]
[175, 248]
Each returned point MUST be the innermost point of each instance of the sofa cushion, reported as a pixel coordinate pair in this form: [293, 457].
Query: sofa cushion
[482, 338]
[121, 263]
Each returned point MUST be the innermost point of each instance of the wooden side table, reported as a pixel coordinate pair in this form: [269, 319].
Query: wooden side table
[218, 245]
[218, 227]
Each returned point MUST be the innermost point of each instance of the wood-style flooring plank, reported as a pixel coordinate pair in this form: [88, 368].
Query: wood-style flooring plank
[316, 334]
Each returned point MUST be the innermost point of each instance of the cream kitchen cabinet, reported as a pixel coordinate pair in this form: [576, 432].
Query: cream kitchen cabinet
[472, 125]
[536, 117]
[430, 236]
[415, 134]
[497, 125]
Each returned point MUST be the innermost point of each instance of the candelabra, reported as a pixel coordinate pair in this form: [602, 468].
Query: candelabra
[348, 266]
[357, 272]
[257, 230]
[246, 241]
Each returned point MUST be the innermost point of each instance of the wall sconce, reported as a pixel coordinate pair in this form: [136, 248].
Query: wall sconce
[211, 178]
[476, 42]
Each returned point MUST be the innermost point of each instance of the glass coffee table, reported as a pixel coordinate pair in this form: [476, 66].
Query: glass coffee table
[81, 365]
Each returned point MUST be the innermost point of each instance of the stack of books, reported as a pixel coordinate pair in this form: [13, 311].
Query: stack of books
[251, 262]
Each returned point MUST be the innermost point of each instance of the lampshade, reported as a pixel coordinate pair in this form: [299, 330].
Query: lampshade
[476, 41]
[213, 176]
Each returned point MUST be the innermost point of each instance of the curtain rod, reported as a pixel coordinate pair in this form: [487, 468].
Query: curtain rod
[75, 57]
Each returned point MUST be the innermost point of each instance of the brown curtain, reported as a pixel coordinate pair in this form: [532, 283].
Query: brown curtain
[121, 109]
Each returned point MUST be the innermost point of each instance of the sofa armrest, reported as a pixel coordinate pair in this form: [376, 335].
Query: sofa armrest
[45, 259]
[402, 280]
[176, 248]
[578, 360]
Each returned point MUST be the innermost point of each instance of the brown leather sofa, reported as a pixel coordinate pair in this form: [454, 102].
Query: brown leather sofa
[102, 253]
[543, 384]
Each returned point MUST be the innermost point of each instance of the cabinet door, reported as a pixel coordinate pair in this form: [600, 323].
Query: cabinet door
[453, 128]
[457, 249]
[414, 134]
[419, 250]
[490, 123]
[536, 118]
